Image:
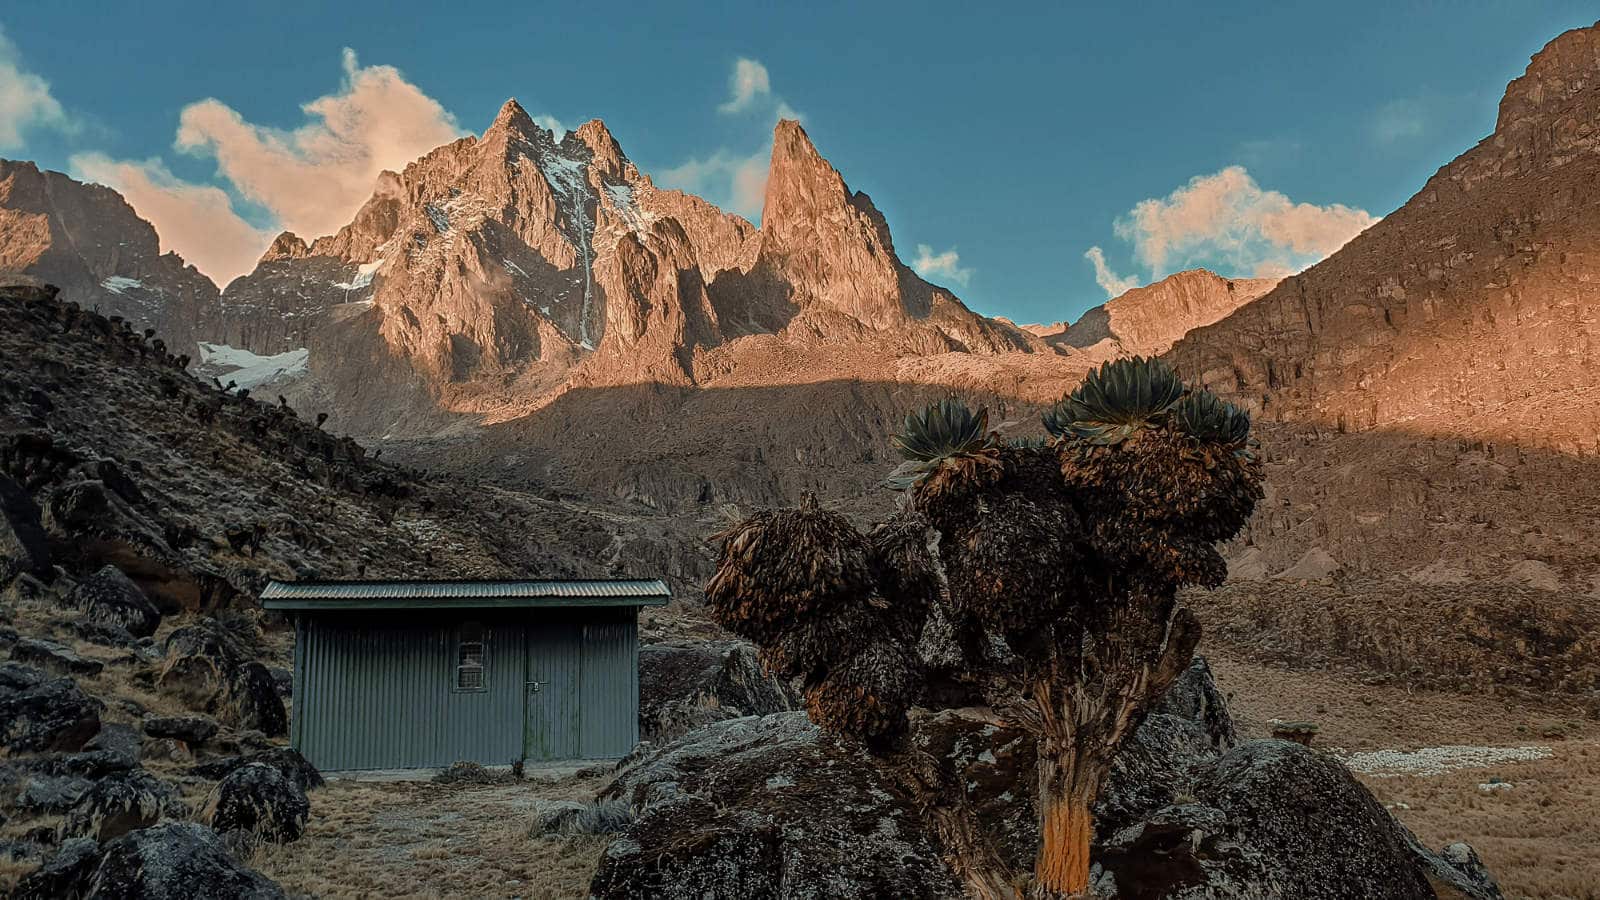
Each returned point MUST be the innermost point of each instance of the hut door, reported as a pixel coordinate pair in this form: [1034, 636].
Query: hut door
[553, 719]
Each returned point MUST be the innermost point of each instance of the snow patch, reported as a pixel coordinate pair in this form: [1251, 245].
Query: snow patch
[441, 220]
[513, 268]
[116, 284]
[1438, 760]
[250, 370]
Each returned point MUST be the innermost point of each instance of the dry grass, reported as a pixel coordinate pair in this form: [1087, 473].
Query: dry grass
[418, 839]
[1540, 837]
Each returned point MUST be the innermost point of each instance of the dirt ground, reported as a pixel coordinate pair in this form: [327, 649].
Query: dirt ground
[1540, 836]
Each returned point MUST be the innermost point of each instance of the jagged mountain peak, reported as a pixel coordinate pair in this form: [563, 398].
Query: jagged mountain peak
[287, 245]
[513, 118]
[606, 154]
[1561, 73]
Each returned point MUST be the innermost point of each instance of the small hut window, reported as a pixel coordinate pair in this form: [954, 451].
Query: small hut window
[469, 658]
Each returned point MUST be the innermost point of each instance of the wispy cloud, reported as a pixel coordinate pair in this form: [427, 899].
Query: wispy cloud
[735, 182]
[551, 124]
[733, 179]
[748, 83]
[1227, 221]
[25, 99]
[944, 268]
[314, 178]
[1400, 120]
[196, 220]
[310, 180]
[1113, 284]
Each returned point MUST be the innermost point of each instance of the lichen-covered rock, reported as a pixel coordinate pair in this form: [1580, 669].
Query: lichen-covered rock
[110, 598]
[47, 715]
[1272, 816]
[260, 801]
[192, 730]
[253, 701]
[91, 763]
[65, 874]
[43, 794]
[199, 658]
[23, 547]
[686, 684]
[116, 805]
[286, 760]
[175, 860]
[767, 807]
[772, 807]
[53, 657]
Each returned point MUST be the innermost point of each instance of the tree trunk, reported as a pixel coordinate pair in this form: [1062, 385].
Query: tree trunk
[1068, 784]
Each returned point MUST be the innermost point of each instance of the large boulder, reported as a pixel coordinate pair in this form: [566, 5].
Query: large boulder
[53, 657]
[772, 807]
[23, 545]
[686, 684]
[47, 714]
[110, 598]
[287, 761]
[253, 702]
[763, 808]
[175, 860]
[64, 874]
[192, 730]
[116, 805]
[260, 801]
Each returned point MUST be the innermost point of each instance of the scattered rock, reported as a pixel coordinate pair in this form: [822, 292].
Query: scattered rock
[54, 657]
[91, 763]
[282, 681]
[192, 730]
[117, 738]
[464, 772]
[64, 874]
[50, 794]
[110, 598]
[177, 859]
[49, 715]
[287, 761]
[254, 701]
[258, 799]
[116, 805]
[1301, 733]
[686, 684]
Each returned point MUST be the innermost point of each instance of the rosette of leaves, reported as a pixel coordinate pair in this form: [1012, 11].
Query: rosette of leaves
[1206, 417]
[948, 450]
[1116, 401]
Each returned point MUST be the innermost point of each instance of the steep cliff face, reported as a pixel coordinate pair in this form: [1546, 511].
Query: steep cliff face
[86, 240]
[1470, 310]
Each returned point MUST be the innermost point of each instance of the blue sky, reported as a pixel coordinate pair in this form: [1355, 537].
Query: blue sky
[1002, 146]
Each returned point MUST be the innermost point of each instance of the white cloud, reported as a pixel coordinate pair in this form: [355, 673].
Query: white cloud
[1114, 285]
[943, 267]
[748, 82]
[25, 99]
[315, 177]
[1225, 220]
[198, 221]
[551, 124]
[734, 182]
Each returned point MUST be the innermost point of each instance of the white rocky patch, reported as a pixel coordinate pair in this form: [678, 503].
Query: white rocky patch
[513, 268]
[1438, 760]
[250, 370]
[363, 277]
[569, 179]
[116, 284]
[440, 219]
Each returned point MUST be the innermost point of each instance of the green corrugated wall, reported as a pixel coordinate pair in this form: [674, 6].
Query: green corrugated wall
[371, 692]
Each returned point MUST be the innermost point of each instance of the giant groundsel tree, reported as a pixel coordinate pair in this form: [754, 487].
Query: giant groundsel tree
[1055, 565]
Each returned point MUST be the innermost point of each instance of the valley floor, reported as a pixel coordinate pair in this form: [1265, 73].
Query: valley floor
[1539, 835]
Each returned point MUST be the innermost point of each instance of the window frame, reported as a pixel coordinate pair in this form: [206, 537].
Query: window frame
[462, 640]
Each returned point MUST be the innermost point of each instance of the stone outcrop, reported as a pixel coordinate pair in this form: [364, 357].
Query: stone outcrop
[111, 598]
[116, 805]
[686, 684]
[771, 805]
[260, 801]
[44, 714]
[175, 859]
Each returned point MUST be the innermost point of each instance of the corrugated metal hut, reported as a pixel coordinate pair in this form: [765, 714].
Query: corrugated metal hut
[421, 674]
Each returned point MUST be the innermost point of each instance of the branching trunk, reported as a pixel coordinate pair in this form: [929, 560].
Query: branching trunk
[1081, 719]
[942, 801]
